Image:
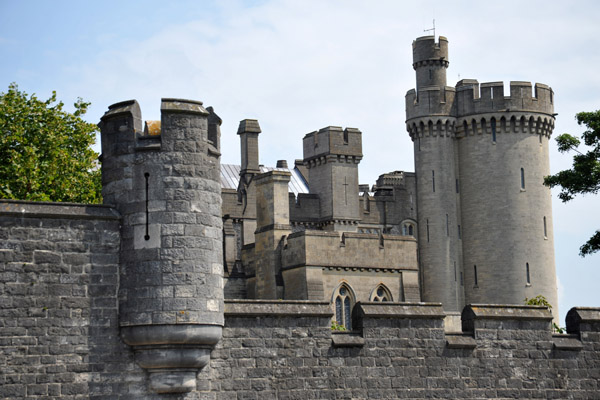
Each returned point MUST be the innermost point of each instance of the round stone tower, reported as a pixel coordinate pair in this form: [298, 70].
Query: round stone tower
[431, 123]
[508, 246]
[165, 182]
[485, 217]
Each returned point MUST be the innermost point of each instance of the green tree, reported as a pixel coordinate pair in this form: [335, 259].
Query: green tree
[45, 152]
[584, 176]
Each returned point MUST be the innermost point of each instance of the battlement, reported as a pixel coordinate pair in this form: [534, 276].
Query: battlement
[333, 140]
[489, 97]
[122, 131]
[430, 101]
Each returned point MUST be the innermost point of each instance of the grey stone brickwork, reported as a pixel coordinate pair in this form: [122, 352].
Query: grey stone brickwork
[59, 334]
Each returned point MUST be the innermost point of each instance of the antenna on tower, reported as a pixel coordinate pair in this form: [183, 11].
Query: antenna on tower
[431, 29]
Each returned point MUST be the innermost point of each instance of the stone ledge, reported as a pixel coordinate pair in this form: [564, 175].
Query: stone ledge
[277, 308]
[503, 312]
[346, 339]
[460, 341]
[182, 106]
[567, 342]
[398, 310]
[43, 209]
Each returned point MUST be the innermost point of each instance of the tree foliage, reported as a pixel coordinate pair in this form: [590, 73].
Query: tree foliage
[45, 152]
[584, 176]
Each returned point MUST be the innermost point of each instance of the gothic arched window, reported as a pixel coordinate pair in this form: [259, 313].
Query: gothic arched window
[381, 293]
[408, 229]
[343, 301]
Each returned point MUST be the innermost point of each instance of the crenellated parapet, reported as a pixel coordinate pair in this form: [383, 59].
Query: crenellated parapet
[332, 144]
[430, 101]
[473, 98]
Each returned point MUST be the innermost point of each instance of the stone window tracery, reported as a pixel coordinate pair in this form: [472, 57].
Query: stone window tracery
[381, 294]
[343, 301]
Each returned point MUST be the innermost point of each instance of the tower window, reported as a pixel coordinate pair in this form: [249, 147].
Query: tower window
[433, 181]
[545, 229]
[454, 271]
[493, 130]
[430, 74]
[475, 275]
[528, 276]
[447, 226]
[344, 301]
[408, 229]
[522, 179]
[461, 279]
[427, 230]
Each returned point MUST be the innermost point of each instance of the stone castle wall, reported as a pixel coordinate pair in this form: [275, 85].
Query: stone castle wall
[59, 333]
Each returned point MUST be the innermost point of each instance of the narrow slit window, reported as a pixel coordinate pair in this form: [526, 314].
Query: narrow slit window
[454, 271]
[433, 181]
[528, 276]
[459, 233]
[522, 178]
[545, 228]
[447, 226]
[147, 235]
[427, 230]
[461, 279]
[475, 275]
[457, 187]
[493, 130]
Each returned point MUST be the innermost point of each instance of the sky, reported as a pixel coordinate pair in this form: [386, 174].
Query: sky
[298, 66]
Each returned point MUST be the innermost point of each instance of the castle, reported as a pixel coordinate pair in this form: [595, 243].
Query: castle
[201, 280]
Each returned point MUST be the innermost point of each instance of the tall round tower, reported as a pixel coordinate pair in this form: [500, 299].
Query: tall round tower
[165, 182]
[431, 123]
[508, 245]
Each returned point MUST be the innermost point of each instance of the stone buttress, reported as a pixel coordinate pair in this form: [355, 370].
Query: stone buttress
[165, 183]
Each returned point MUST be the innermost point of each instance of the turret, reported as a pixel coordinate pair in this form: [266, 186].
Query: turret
[431, 122]
[332, 156]
[506, 210]
[430, 61]
[165, 182]
[485, 218]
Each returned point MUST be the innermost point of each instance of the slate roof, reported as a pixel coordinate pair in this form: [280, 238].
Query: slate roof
[230, 178]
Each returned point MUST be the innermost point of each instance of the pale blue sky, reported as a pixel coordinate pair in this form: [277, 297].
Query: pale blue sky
[298, 66]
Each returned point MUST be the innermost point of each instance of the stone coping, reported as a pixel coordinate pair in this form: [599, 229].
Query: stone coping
[398, 310]
[278, 308]
[506, 312]
[182, 106]
[43, 209]
[578, 315]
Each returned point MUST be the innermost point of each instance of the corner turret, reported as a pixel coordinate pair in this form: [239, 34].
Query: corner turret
[165, 182]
